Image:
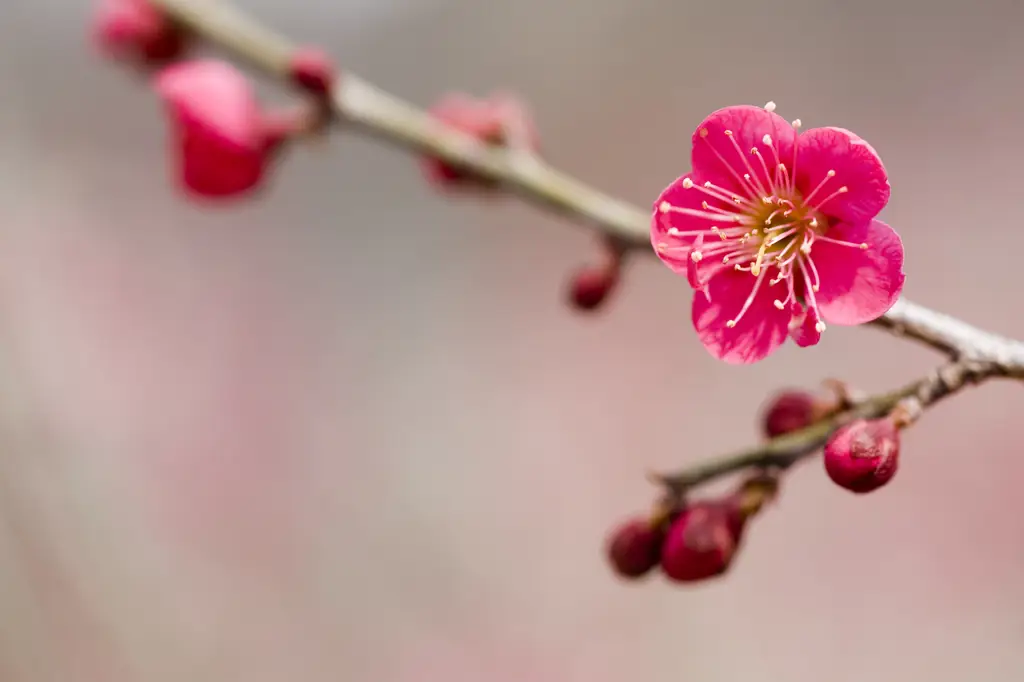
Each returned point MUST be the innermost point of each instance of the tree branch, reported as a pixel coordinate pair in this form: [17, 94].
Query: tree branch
[787, 450]
[360, 104]
[977, 355]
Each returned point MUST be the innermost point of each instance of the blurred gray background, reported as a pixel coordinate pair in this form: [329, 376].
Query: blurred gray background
[351, 432]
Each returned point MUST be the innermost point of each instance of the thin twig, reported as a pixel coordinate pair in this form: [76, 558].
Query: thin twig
[787, 450]
[977, 355]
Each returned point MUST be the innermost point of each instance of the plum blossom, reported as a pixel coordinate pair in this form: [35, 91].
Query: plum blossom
[776, 230]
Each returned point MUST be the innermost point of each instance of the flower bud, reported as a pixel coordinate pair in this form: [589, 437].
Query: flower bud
[499, 120]
[702, 541]
[313, 70]
[635, 548]
[789, 411]
[591, 286]
[863, 455]
[137, 30]
[221, 139]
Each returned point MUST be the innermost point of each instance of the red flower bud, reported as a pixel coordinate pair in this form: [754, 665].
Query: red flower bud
[222, 140]
[635, 548]
[863, 455]
[701, 543]
[313, 70]
[590, 286]
[499, 120]
[789, 411]
[136, 29]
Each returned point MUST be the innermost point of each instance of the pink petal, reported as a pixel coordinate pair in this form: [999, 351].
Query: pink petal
[803, 328]
[758, 333]
[858, 285]
[214, 96]
[210, 168]
[857, 167]
[715, 157]
[698, 273]
[674, 250]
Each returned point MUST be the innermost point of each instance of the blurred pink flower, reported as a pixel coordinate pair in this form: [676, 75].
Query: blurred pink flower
[777, 229]
[221, 138]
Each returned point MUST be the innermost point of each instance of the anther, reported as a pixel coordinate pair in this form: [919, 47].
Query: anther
[769, 107]
[664, 207]
[819, 327]
[730, 324]
[778, 304]
[814, 222]
[844, 189]
[687, 183]
[674, 231]
[767, 139]
[703, 132]
[728, 133]
[797, 123]
[831, 173]
[696, 256]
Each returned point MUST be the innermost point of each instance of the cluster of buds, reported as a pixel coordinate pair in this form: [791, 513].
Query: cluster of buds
[694, 540]
[860, 456]
[691, 541]
[223, 141]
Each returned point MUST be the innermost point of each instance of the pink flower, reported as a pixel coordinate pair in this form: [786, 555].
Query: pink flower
[777, 230]
[221, 139]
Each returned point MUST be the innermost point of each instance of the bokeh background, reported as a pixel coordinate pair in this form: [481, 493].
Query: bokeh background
[351, 432]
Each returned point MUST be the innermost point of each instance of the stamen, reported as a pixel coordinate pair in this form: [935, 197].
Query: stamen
[750, 300]
[756, 268]
[750, 169]
[732, 171]
[724, 195]
[830, 240]
[828, 176]
[666, 207]
[796, 128]
[810, 290]
[764, 166]
[814, 272]
[842, 190]
[778, 238]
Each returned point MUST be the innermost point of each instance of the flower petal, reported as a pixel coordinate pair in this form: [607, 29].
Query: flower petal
[724, 161]
[857, 167]
[761, 330]
[858, 285]
[803, 328]
[673, 232]
[214, 97]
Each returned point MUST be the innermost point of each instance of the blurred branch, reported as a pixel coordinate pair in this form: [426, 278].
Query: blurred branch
[359, 104]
